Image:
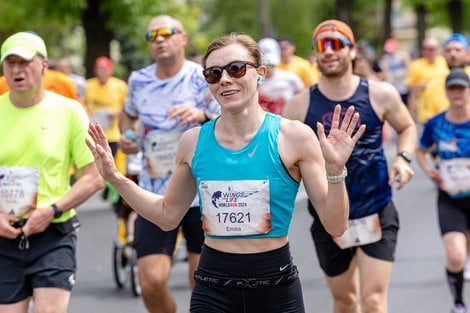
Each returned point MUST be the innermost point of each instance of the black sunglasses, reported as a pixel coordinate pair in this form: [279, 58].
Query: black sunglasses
[235, 69]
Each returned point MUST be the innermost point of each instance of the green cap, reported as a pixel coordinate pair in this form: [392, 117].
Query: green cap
[25, 45]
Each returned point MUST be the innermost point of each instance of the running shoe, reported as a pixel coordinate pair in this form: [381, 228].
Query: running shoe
[459, 308]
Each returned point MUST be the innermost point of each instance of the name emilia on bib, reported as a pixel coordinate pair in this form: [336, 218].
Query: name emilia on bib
[18, 189]
[235, 207]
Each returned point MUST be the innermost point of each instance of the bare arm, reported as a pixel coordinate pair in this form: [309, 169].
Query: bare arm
[425, 162]
[317, 158]
[167, 211]
[296, 108]
[387, 104]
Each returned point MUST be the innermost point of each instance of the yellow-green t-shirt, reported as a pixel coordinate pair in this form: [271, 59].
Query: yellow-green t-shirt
[102, 98]
[50, 136]
[302, 68]
[435, 99]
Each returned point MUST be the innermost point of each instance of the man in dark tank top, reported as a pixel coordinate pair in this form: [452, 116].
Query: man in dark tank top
[373, 219]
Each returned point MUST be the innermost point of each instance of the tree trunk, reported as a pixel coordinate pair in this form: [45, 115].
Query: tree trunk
[344, 11]
[420, 24]
[387, 20]
[263, 17]
[455, 9]
[98, 37]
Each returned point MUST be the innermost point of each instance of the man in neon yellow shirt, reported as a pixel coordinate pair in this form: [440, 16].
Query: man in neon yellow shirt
[455, 54]
[43, 133]
[105, 96]
[294, 63]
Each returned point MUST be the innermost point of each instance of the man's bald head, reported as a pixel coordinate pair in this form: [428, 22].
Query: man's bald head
[168, 20]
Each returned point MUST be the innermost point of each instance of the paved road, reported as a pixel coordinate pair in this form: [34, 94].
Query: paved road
[418, 281]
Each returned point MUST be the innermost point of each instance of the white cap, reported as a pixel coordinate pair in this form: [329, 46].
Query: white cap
[270, 51]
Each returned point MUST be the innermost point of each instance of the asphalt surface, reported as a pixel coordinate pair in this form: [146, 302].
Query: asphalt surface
[418, 282]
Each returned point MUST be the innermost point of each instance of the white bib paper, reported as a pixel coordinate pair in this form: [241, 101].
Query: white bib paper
[18, 189]
[455, 175]
[160, 153]
[103, 118]
[235, 208]
[360, 232]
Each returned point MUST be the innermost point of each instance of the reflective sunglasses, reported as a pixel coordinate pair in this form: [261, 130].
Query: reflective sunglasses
[320, 45]
[166, 33]
[235, 69]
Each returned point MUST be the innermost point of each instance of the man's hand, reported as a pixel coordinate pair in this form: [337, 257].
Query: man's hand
[38, 220]
[400, 172]
[128, 146]
[6, 230]
[339, 144]
[187, 114]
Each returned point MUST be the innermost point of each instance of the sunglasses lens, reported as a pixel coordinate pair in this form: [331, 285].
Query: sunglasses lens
[213, 74]
[236, 69]
[334, 43]
[164, 32]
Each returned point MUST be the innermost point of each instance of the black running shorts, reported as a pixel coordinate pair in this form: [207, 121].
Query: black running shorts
[151, 239]
[49, 262]
[335, 261]
[212, 298]
[454, 213]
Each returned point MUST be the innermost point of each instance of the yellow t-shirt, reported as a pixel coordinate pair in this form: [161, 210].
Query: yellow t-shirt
[50, 136]
[301, 67]
[435, 99]
[421, 71]
[103, 99]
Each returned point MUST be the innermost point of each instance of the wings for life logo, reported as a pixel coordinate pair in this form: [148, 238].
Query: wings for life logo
[230, 198]
[327, 119]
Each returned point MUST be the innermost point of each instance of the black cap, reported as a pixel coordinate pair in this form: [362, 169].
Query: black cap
[457, 77]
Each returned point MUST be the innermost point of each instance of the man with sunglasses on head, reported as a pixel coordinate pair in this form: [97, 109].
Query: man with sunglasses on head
[166, 98]
[372, 213]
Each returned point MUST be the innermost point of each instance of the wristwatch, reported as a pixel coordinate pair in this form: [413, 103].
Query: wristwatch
[406, 156]
[57, 211]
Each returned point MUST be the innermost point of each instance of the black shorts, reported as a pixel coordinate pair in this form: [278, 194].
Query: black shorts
[49, 262]
[151, 239]
[207, 297]
[454, 213]
[335, 261]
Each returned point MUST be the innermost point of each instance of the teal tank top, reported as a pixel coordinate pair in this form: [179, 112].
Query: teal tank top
[244, 193]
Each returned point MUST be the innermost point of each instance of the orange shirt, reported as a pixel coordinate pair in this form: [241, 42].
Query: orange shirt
[54, 81]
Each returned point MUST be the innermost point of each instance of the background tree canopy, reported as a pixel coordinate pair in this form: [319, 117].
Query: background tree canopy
[87, 29]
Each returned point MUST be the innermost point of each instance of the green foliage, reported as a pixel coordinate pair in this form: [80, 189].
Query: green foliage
[59, 21]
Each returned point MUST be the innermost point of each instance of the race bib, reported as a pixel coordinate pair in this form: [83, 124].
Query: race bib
[360, 232]
[102, 117]
[455, 175]
[235, 208]
[160, 153]
[18, 189]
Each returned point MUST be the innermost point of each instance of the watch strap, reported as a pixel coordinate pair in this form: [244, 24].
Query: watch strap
[57, 211]
[405, 155]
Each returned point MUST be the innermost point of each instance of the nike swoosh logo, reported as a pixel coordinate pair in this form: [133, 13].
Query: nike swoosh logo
[281, 268]
[250, 154]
